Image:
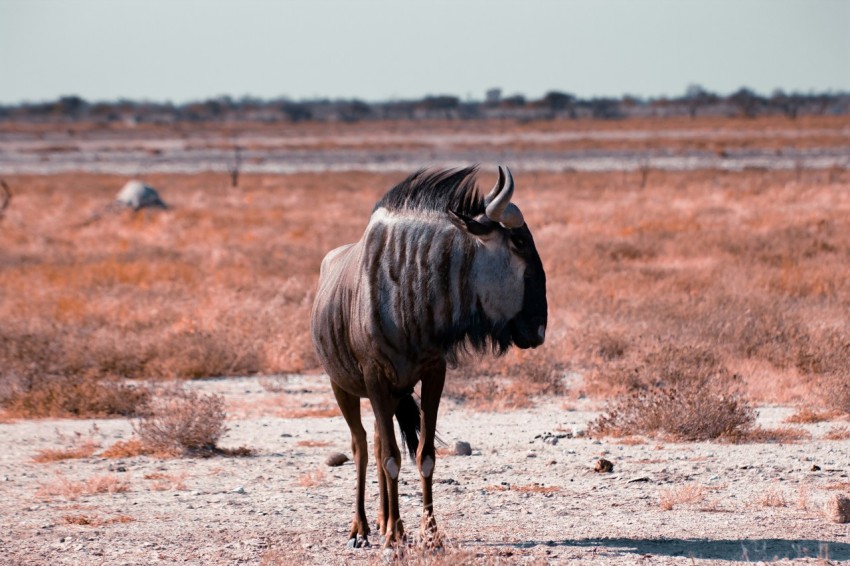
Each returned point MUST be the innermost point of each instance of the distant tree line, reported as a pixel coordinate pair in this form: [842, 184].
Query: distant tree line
[696, 101]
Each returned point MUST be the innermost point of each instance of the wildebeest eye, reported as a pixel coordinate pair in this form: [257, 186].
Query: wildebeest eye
[518, 240]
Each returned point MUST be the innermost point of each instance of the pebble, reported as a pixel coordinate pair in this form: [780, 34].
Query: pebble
[603, 466]
[335, 459]
[239, 489]
[463, 448]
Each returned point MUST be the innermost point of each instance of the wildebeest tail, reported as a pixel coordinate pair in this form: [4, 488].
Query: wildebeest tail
[407, 415]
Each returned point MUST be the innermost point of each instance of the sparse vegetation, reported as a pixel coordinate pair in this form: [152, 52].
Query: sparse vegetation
[744, 268]
[688, 494]
[70, 396]
[837, 433]
[687, 396]
[70, 490]
[771, 498]
[84, 449]
[186, 423]
[312, 478]
[95, 520]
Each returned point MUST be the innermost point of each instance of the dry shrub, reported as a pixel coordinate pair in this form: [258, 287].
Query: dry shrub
[691, 397]
[837, 433]
[183, 424]
[688, 494]
[71, 490]
[83, 450]
[771, 498]
[72, 396]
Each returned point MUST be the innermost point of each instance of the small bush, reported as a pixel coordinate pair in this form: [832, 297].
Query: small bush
[186, 423]
[691, 397]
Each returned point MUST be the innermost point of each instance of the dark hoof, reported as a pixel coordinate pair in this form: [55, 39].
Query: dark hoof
[358, 542]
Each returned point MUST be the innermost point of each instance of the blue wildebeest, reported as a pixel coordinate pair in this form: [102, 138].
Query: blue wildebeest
[439, 271]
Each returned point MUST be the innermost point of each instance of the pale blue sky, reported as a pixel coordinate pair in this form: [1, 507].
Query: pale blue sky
[181, 50]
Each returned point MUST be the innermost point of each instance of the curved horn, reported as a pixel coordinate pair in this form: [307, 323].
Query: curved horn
[499, 208]
[496, 188]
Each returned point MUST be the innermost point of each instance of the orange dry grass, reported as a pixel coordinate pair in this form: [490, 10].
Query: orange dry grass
[313, 478]
[71, 490]
[781, 435]
[837, 433]
[162, 481]
[84, 450]
[314, 443]
[688, 494]
[809, 415]
[750, 266]
[771, 498]
[126, 449]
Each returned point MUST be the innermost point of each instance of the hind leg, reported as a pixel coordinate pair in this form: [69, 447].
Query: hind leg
[389, 460]
[350, 407]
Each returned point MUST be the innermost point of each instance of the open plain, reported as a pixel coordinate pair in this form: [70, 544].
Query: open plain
[703, 263]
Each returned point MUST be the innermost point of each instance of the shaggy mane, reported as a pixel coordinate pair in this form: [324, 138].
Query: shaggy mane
[436, 190]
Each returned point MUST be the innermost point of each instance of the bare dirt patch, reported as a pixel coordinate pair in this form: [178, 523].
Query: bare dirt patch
[526, 493]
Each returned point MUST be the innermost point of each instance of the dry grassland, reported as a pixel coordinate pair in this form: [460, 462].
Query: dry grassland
[654, 278]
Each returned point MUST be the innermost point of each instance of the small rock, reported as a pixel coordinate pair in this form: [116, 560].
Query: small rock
[239, 489]
[463, 448]
[603, 466]
[815, 468]
[837, 509]
[335, 459]
[137, 195]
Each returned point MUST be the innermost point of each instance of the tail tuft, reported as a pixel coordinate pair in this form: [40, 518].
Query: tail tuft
[407, 415]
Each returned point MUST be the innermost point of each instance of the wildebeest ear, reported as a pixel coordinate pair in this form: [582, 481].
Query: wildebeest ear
[470, 225]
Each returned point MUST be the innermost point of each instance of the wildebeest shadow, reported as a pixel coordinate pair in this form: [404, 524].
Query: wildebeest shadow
[739, 549]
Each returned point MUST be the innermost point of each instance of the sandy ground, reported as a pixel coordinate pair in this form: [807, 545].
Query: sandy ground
[527, 494]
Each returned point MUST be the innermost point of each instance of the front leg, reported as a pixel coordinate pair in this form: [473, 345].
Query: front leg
[432, 389]
[383, 510]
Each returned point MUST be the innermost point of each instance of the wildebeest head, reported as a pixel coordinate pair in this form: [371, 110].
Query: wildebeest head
[507, 272]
